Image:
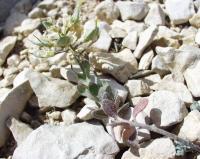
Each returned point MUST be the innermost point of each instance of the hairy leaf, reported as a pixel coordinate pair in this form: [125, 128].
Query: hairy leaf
[109, 108]
[64, 41]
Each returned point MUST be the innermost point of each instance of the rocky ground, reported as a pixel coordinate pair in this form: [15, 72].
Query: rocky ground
[146, 49]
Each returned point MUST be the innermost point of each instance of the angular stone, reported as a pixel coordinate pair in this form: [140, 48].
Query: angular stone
[52, 92]
[13, 105]
[146, 60]
[137, 88]
[195, 20]
[177, 87]
[6, 46]
[156, 15]
[197, 37]
[184, 12]
[19, 130]
[120, 65]
[36, 13]
[68, 116]
[165, 108]
[63, 141]
[190, 130]
[107, 11]
[130, 41]
[136, 10]
[145, 39]
[162, 148]
[192, 78]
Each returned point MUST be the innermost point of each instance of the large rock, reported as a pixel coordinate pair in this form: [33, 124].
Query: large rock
[6, 46]
[136, 10]
[190, 129]
[120, 65]
[107, 11]
[145, 39]
[161, 148]
[82, 140]
[130, 41]
[165, 108]
[52, 92]
[12, 105]
[192, 78]
[177, 87]
[184, 12]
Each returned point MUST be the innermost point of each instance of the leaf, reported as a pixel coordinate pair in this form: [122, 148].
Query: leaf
[93, 35]
[143, 102]
[64, 41]
[181, 149]
[94, 89]
[109, 108]
[47, 24]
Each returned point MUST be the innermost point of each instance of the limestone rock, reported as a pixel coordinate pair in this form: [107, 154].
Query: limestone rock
[6, 46]
[137, 88]
[162, 148]
[156, 15]
[145, 39]
[36, 13]
[136, 10]
[181, 15]
[146, 60]
[165, 108]
[195, 20]
[197, 37]
[130, 41]
[192, 78]
[107, 11]
[13, 105]
[190, 129]
[19, 130]
[27, 26]
[68, 116]
[52, 92]
[130, 154]
[74, 141]
[120, 65]
[177, 87]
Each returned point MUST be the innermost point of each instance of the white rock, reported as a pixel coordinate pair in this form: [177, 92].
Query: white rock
[130, 41]
[146, 60]
[27, 26]
[177, 87]
[13, 60]
[47, 4]
[161, 148]
[103, 43]
[165, 32]
[52, 92]
[197, 37]
[158, 66]
[137, 88]
[190, 129]
[194, 21]
[165, 108]
[3, 93]
[68, 116]
[145, 39]
[107, 11]
[188, 34]
[152, 79]
[184, 12]
[192, 78]
[86, 112]
[120, 65]
[36, 13]
[13, 105]
[31, 39]
[117, 32]
[55, 115]
[19, 130]
[156, 15]
[6, 46]
[136, 10]
[130, 154]
[75, 141]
